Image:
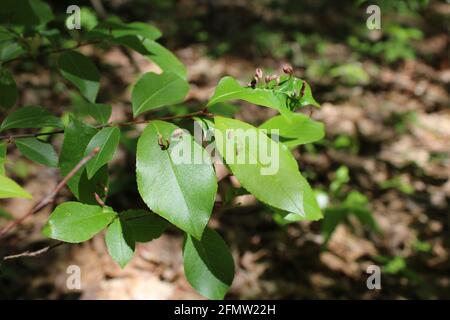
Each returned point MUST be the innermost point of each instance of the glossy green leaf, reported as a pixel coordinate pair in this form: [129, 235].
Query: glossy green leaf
[274, 179]
[3, 150]
[100, 112]
[145, 226]
[30, 117]
[229, 89]
[208, 264]
[165, 59]
[120, 242]
[77, 136]
[10, 189]
[107, 140]
[76, 222]
[81, 72]
[8, 89]
[38, 151]
[175, 187]
[299, 127]
[25, 12]
[156, 90]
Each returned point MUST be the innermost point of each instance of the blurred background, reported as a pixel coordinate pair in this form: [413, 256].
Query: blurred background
[381, 174]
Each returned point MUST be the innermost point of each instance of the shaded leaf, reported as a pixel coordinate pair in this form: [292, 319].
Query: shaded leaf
[145, 226]
[77, 136]
[30, 117]
[8, 89]
[100, 112]
[38, 151]
[120, 242]
[25, 12]
[81, 72]
[165, 59]
[208, 265]
[107, 140]
[116, 29]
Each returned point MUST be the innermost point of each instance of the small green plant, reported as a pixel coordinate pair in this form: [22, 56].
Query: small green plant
[345, 204]
[178, 189]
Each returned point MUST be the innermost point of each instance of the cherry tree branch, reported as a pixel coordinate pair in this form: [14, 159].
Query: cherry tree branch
[204, 112]
[32, 253]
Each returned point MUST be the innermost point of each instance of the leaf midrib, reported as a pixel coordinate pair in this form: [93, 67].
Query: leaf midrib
[139, 108]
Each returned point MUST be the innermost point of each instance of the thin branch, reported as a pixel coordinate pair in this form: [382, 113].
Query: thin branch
[204, 112]
[33, 253]
[51, 197]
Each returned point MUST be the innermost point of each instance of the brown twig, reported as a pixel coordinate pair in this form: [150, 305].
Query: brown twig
[51, 197]
[32, 253]
[204, 112]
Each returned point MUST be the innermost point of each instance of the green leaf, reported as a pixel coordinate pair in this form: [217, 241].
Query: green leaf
[25, 12]
[298, 126]
[307, 98]
[120, 242]
[224, 109]
[156, 90]
[107, 140]
[76, 222]
[3, 150]
[208, 265]
[284, 97]
[276, 180]
[165, 59]
[99, 111]
[10, 50]
[229, 89]
[294, 88]
[38, 151]
[333, 217]
[81, 72]
[8, 89]
[145, 226]
[6, 34]
[30, 117]
[116, 29]
[77, 136]
[10, 189]
[179, 190]
[283, 217]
